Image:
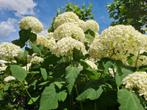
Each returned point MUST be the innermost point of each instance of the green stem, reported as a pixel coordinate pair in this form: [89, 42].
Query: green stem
[137, 60]
[77, 92]
[95, 107]
[27, 92]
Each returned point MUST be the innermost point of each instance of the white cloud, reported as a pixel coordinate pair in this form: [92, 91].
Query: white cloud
[21, 7]
[7, 27]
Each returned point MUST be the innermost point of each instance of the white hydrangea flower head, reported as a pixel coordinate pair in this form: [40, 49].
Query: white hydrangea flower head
[117, 42]
[48, 43]
[92, 25]
[91, 64]
[3, 67]
[36, 60]
[27, 67]
[69, 30]
[82, 25]
[65, 17]
[112, 71]
[66, 45]
[137, 81]
[3, 62]
[50, 35]
[8, 51]
[30, 22]
[9, 78]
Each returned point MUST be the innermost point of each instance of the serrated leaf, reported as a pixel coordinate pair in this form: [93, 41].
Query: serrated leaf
[90, 94]
[49, 99]
[128, 100]
[43, 73]
[18, 72]
[71, 76]
[62, 96]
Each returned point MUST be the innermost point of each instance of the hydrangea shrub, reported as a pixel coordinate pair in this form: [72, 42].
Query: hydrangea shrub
[74, 67]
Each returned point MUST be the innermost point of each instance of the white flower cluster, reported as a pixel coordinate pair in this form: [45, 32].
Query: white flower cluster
[119, 43]
[65, 18]
[69, 30]
[91, 64]
[8, 51]
[70, 17]
[36, 60]
[9, 78]
[92, 25]
[66, 45]
[32, 23]
[3, 65]
[137, 81]
[46, 42]
[50, 35]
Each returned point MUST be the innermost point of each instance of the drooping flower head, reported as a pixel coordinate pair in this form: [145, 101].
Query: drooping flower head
[137, 81]
[8, 51]
[32, 23]
[69, 30]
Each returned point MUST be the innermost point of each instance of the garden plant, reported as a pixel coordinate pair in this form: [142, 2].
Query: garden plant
[73, 67]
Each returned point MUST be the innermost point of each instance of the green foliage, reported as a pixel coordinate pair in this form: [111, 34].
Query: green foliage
[129, 100]
[49, 99]
[65, 83]
[25, 35]
[130, 12]
[84, 12]
[90, 94]
[44, 73]
[71, 76]
[18, 72]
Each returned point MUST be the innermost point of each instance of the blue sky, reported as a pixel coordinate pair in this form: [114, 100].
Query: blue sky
[11, 11]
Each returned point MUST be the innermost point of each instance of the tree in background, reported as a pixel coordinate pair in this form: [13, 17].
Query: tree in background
[84, 13]
[132, 12]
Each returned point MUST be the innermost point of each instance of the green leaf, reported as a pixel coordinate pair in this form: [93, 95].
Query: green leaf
[107, 65]
[118, 80]
[89, 35]
[43, 73]
[128, 100]
[35, 48]
[1, 95]
[18, 72]
[49, 99]
[62, 96]
[92, 74]
[120, 74]
[32, 100]
[59, 84]
[90, 94]
[32, 37]
[71, 75]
